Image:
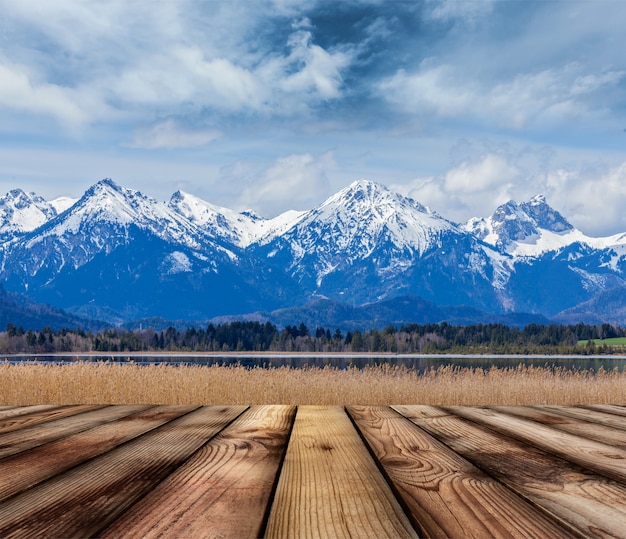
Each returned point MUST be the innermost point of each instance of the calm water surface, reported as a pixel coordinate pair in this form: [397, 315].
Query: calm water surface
[419, 363]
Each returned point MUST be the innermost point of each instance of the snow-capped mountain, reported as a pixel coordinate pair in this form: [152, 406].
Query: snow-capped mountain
[533, 228]
[119, 249]
[241, 229]
[102, 220]
[117, 254]
[22, 212]
[356, 220]
[367, 242]
[530, 228]
[553, 265]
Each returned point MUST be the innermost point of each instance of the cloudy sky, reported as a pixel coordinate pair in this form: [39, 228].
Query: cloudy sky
[276, 104]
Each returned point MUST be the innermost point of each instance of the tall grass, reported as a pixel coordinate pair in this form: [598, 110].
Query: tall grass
[110, 383]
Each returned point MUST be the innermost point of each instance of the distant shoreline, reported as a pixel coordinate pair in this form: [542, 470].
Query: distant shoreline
[339, 355]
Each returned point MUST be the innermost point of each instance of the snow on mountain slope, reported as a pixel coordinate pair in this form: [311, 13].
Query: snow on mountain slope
[118, 250]
[363, 221]
[367, 242]
[108, 204]
[22, 212]
[102, 220]
[239, 229]
[533, 228]
[61, 204]
[356, 219]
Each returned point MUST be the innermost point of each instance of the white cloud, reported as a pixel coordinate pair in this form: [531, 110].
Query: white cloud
[431, 90]
[465, 10]
[170, 135]
[320, 70]
[124, 60]
[183, 77]
[20, 90]
[484, 174]
[474, 187]
[293, 182]
[189, 76]
[592, 199]
[552, 96]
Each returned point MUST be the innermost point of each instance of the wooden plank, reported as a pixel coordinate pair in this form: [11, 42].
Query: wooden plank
[28, 438]
[29, 468]
[223, 490]
[446, 495]
[37, 416]
[330, 486]
[14, 411]
[87, 498]
[599, 433]
[607, 408]
[601, 458]
[585, 414]
[589, 504]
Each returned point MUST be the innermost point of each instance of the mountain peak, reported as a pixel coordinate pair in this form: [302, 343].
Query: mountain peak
[538, 200]
[360, 190]
[104, 185]
[534, 224]
[19, 199]
[108, 201]
[364, 223]
[365, 188]
[222, 223]
[365, 185]
[370, 194]
[22, 212]
[545, 216]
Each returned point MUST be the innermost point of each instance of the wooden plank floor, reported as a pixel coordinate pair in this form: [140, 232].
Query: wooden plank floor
[312, 471]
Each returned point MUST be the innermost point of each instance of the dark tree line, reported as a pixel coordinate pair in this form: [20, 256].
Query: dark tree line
[264, 337]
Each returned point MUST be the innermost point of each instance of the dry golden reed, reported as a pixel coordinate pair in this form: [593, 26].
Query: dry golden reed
[111, 383]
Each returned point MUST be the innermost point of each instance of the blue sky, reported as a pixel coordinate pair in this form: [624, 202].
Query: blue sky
[274, 105]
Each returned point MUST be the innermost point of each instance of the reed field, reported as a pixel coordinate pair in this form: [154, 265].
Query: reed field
[114, 383]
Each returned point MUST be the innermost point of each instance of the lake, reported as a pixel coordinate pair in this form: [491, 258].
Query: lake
[416, 362]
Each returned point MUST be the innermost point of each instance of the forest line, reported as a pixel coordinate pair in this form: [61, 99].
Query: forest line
[248, 336]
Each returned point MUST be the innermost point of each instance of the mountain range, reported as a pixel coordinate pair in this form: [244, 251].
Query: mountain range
[376, 256]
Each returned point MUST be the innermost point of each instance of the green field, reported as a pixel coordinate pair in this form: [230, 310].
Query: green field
[617, 341]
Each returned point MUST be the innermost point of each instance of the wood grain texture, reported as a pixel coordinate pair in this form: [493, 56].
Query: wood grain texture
[83, 500]
[600, 433]
[28, 438]
[48, 413]
[446, 495]
[223, 490]
[596, 417]
[330, 486]
[598, 457]
[29, 468]
[189, 471]
[588, 504]
[12, 411]
[607, 408]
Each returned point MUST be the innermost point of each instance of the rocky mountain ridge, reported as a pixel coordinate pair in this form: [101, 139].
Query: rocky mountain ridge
[116, 254]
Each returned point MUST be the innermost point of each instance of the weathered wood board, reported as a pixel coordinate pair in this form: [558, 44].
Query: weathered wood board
[312, 471]
[447, 496]
[223, 490]
[330, 486]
